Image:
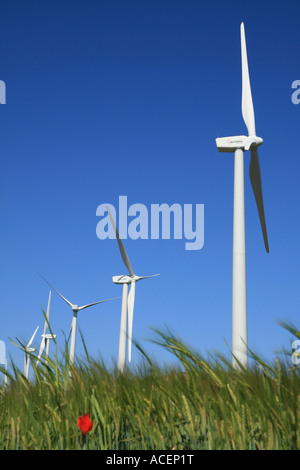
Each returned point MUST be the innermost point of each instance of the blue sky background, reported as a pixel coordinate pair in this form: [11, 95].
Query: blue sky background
[110, 98]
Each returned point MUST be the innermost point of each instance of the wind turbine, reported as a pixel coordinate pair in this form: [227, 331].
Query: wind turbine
[239, 144]
[75, 310]
[27, 351]
[127, 300]
[46, 337]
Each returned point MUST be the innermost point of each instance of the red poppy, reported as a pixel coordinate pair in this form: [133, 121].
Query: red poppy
[84, 423]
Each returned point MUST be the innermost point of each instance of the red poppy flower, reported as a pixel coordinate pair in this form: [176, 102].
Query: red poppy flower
[84, 423]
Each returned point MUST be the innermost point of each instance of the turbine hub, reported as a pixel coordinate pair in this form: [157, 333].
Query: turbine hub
[253, 141]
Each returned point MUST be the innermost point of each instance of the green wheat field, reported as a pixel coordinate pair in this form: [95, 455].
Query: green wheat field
[195, 404]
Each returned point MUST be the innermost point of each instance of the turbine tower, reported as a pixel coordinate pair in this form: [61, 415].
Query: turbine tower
[127, 300]
[46, 337]
[75, 310]
[238, 145]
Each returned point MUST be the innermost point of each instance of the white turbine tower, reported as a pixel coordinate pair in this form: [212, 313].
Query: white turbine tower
[238, 145]
[75, 310]
[46, 337]
[127, 300]
[27, 351]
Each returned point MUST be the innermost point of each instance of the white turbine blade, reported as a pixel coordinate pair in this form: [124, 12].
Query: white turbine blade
[32, 337]
[69, 303]
[121, 246]
[147, 277]
[48, 306]
[95, 303]
[47, 314]
[247, 104]
[131, 300]
[255, 178]
[42, 347]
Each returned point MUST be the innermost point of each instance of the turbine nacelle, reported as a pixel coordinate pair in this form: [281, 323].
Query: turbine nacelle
[122, 279]
[48, 336]
[125, 279]
[231, 144]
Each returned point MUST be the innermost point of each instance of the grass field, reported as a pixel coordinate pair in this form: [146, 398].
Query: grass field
[197, 404]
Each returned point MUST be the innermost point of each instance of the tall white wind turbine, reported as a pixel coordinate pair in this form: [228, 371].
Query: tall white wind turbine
[75, 310]
[46, 337]
[127, 300]
[27, 350]
[239, 144]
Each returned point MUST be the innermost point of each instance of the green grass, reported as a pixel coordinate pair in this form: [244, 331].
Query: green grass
[197, 404]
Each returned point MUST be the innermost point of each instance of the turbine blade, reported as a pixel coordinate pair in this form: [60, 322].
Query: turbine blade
[69, 303]
[48, 306]
[95, 303]
[32, 337]
[42, 347]
[121, 246]
[47, 314]
[131, 300]
[147, 277]
[255, 178]
[247, 103]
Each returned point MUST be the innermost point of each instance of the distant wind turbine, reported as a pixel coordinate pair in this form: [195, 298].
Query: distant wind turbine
[127, 300]
[239, 144]
[46, 337]
[75, 310]
[27, 351]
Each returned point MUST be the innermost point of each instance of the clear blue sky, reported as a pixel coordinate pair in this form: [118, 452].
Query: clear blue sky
[110, 98]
